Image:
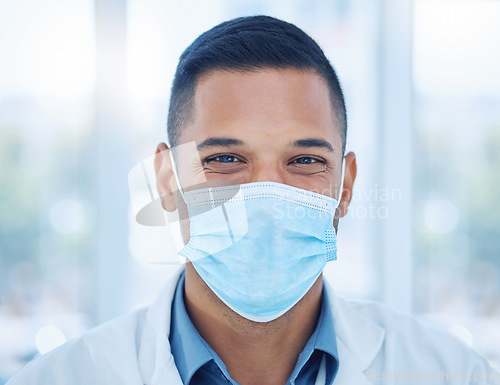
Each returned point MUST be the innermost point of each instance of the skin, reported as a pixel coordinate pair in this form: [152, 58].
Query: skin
[283, 129]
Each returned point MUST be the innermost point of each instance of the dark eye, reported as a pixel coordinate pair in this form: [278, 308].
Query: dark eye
[307, 165]
[224, 164]
[224, 159]
[306, 160]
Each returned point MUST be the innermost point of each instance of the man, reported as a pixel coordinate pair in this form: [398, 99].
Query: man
[262, 192]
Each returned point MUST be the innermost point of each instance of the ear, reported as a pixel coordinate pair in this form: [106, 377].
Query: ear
[349, 177]
[165, 178]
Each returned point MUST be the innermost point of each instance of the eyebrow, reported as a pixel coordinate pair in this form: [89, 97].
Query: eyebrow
[226, 142]
[219, 142]
[313, 142]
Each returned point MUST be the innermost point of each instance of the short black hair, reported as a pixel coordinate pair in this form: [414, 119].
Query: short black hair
[248, 44]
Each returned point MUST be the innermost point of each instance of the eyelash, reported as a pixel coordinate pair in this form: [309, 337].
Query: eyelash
[214, 158]
[237, 159]
[315, 160]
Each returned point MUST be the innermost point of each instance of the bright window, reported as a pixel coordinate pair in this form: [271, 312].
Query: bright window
[456, 168]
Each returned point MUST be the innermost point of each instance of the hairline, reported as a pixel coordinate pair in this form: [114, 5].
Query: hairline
[190, 92]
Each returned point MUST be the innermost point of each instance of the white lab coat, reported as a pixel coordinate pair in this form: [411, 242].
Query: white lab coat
[374, 343]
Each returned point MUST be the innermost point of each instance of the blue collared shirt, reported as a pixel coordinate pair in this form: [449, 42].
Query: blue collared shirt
[198, 364]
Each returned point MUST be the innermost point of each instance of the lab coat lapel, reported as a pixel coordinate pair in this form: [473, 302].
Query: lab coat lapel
[358, 340]
[350, 370]
[156, 361]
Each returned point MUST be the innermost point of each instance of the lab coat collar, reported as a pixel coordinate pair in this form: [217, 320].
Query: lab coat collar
[358, 339]
[156, 361]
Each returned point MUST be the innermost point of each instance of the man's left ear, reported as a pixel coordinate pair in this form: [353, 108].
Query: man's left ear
[349, 176]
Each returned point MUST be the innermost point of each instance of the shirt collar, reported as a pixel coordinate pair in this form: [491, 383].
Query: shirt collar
[191, 351]
[188, 347]
[323, 340]
[326, 340]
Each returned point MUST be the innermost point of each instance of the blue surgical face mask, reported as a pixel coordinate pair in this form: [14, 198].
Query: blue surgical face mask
[260, 246]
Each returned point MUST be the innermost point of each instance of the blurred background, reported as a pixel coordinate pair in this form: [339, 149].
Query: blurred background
[84, 88]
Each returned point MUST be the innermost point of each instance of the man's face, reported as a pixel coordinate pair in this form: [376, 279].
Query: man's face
[261, 126]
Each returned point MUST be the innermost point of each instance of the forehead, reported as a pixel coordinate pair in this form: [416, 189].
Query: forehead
[229, 102]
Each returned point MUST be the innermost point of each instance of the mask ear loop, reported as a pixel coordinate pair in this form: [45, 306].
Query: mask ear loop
[341, 183]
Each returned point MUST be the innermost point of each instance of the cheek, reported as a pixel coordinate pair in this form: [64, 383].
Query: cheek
[336, 223]
[184, 219]
[218, 179]
[191, 174]
[319, 183]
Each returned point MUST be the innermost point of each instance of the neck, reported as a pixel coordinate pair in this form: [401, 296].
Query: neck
[253, 352]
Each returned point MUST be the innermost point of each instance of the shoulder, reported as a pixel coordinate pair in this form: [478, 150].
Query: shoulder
[131, 349]
[103, 355]
[408, 331]
[410, 343]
